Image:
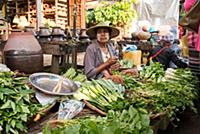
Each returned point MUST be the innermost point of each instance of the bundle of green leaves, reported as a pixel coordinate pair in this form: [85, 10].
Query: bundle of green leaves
[153, 72]
[117, 13]
[130, 121]
[16, 103]
[171, 95]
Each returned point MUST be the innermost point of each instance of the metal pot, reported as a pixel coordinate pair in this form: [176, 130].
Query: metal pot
[23, 52]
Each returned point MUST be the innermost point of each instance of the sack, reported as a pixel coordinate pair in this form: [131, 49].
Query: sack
[191, 19]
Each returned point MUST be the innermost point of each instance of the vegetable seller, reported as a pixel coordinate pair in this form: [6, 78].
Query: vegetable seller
[100, 54]
[164, 54]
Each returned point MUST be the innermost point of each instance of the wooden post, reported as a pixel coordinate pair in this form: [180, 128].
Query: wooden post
[29, 16]
[83, 25]
[38, 14]
[74, 54]
[55, 64]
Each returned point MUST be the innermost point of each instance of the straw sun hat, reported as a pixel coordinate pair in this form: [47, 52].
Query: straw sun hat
[91, 32]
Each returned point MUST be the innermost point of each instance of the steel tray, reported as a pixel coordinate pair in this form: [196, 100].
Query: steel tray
[46, 82]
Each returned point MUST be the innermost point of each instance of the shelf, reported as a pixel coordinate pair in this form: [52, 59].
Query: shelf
[58, 14]
[64, 16]
[62, 19]
[61, 9]
[49, 1]
[62, 2]
[24, 13]
[61, 5]
[49, 14]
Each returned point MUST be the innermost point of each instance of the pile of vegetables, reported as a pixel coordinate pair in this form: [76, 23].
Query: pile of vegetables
[128, 111]
[172, 95]
[101, 93]
[130, 121]
[125, 63]
[119, 13]
[74, 76]
[16, 103]
[154, 72]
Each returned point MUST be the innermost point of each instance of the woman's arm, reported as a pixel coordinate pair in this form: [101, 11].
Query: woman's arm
[91, 70]
[89, 64]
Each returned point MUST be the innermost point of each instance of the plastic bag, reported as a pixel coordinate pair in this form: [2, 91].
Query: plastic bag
[69, 109]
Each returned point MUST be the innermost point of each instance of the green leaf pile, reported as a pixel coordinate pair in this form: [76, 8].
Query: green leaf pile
[16, 105]
[130, 121]
[118, 13]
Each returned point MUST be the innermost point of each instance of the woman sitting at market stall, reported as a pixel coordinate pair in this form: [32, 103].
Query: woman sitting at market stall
[100, 54]
[164, 54]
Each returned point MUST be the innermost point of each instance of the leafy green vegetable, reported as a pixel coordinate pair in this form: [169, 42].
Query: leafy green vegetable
[75, 76]
[16, 103]
[131, 121]
[153, 72]
[118, 13]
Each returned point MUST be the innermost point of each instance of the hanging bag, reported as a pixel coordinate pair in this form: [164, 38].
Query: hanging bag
[191, 19]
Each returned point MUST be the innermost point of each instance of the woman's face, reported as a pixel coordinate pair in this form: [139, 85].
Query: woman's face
[103, 35]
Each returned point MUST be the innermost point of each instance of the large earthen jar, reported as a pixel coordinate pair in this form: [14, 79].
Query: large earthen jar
[23, 52]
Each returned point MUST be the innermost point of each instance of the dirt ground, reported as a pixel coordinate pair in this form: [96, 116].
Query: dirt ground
[189, 123]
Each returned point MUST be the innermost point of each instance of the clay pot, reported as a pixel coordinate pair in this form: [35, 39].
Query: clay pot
[23, 52]
[30, 29]
[44, 31]
[83, 36]
[44, 39]
[57, 31]
[56, 38]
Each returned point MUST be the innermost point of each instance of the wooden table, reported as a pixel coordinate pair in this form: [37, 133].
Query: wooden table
[62, 49]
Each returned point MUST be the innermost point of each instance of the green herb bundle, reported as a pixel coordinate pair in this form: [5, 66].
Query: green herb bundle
[153, 72]
[118, 13]
[171, 95]
[130, 121]
[101, 93]
[16, 103]
[73, 75]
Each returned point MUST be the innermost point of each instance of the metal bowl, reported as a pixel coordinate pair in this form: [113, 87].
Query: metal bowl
[46, 82]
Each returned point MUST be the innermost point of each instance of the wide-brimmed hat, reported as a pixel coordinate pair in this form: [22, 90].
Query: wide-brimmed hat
[91, 32]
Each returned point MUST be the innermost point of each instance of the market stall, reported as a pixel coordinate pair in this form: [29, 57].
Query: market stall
[147, 102]
[64, 100]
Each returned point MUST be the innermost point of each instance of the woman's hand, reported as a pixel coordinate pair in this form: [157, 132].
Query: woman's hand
[131, 72]
[111, 61]
[115, 66]
[117, 79]
[106, 74]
